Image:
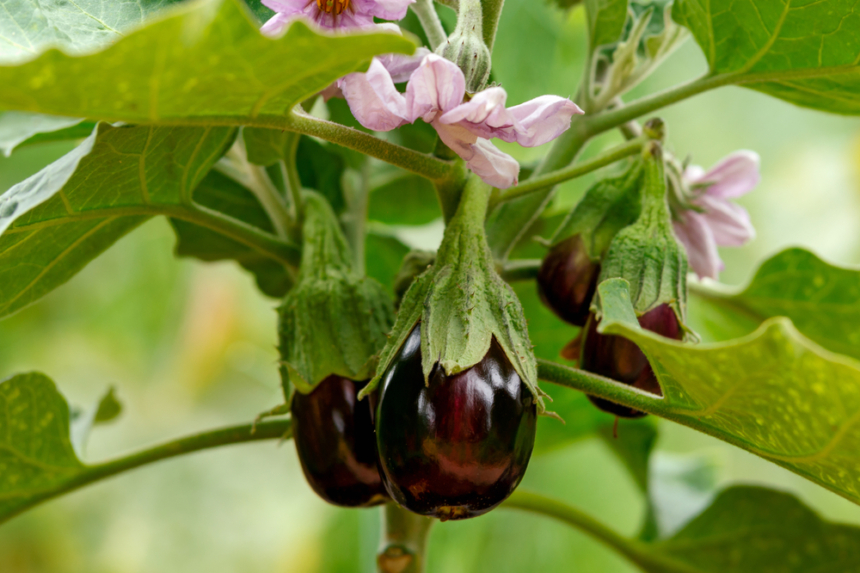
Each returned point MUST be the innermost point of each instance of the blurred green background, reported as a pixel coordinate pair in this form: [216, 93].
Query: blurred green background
[190, 346]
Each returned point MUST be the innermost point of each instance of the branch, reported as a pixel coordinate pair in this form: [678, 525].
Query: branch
[426, 12]
[492, 11]
[542, 182]
[403, 547]
[182, 446]
[601, 387]
[646, 557]
[521, 269]
[419, 163]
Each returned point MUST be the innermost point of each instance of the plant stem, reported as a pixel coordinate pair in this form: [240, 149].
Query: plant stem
[421, 164]
[492, 12]
[181, 446]
[510, 221]
[521, 269]
[404, 540]
[541, 182]
[601, 387]
[260, 184]
[355, 218]
[290, 174]
[643, 555]
[429, 19]
[604, 121]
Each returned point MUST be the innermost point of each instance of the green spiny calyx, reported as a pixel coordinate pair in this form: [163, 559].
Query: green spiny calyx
[333, 321]
[462, 303]
[646, 254]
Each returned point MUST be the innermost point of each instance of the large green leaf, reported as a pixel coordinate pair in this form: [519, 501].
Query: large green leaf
[807, 53]
[58, 220]
[38, 461]
[203, 63]
[35, 449]
[822, 300]
[29, 26]
[774, 393]
[757, 530]
[19, 128]
[605, 20]
[221, 193]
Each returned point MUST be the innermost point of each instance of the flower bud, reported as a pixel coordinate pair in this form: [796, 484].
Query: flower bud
[468, 50]
[620, 359]
[466, 47]
[457, 446]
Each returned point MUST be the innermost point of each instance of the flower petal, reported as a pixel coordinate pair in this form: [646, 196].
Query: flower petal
[373, 99]
[277, 24]
[484, 115]
[401, 67]
[482, 157]
[384, 9]
[697, 238]
[735, 175]
[436, 86]
[542, 119]
[729, 222]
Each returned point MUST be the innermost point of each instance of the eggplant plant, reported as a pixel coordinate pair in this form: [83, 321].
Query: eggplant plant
[414, 377]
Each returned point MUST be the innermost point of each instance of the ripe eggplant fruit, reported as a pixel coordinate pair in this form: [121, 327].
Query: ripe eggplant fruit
[458, 446]
[335, 441]
[620, 359]
[567, 280]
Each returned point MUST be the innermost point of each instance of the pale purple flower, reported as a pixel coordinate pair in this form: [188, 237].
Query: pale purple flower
[435, 93]
[333, 13]
[716, 221]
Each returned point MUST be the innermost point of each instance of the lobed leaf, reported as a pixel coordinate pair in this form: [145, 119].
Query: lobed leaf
[29, 26]
[20, 128]
[204, 62]
[807, 53]
[58, 220]
[822, 300]
[36, 451]
[774, 393]
[605, 20]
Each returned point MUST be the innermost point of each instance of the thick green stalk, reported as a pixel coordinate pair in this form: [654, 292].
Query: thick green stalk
[541, 182]
[637, 552]
[421, 164]
[510, 221]
[182, 446]
[403, 546]
[429, 19]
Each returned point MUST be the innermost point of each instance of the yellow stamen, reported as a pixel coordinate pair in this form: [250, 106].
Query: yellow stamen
[336, 6]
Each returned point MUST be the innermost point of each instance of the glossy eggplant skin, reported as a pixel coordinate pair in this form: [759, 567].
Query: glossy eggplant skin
[458, 447]
[567, 280]
[620, 359]
[335, 441]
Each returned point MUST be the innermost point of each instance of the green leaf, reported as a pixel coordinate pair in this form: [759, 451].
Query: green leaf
[774, 393]
[58, 220]
[822, 300]
[383, 257]
[29, 26]
[758, 530]
[605, 20]
[82, 421]
[806, 53]
[222, 194]
[35, 449]
[403, 199]
[205, 62]
[17, 128]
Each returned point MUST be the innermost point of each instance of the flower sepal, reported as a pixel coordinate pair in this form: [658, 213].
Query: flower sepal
[463, 304]
[334, 321]
[646, 254]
